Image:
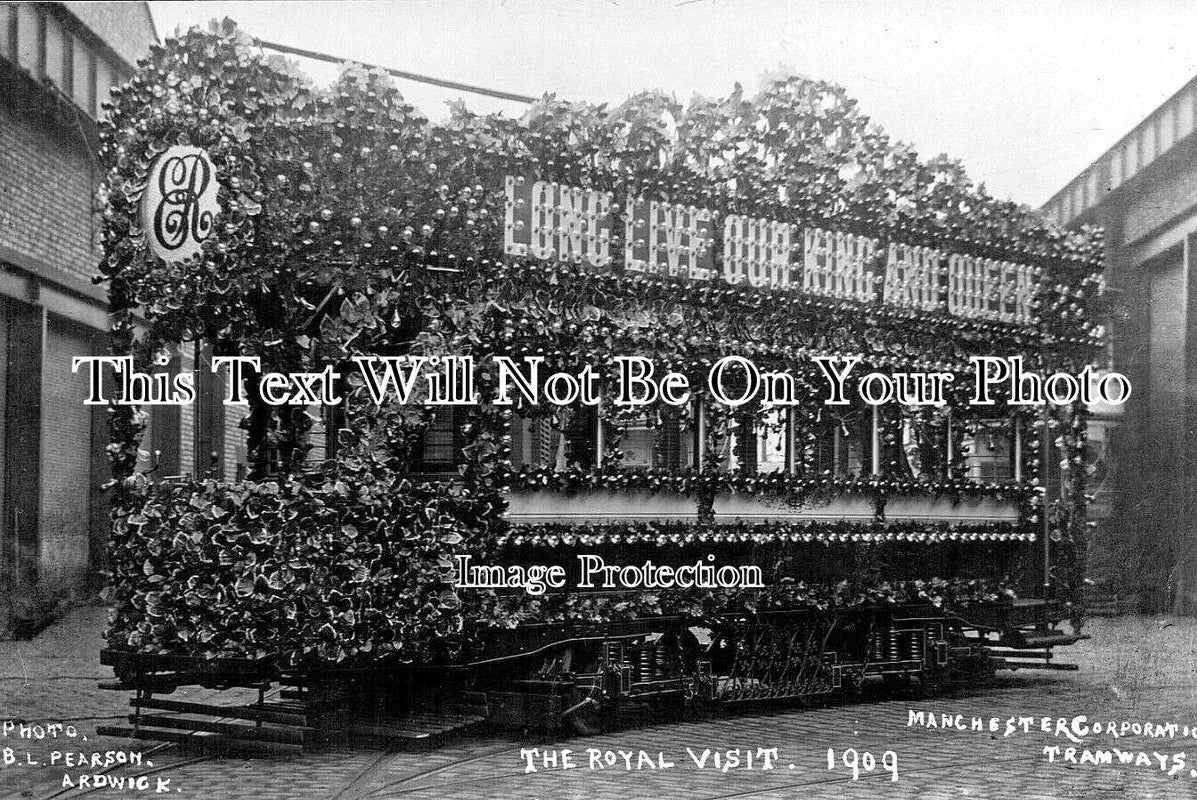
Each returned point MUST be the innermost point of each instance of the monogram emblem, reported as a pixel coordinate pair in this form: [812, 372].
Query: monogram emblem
[180, 203]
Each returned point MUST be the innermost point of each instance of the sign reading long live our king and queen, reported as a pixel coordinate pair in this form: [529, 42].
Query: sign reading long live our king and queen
[550, 221]
[179, 205]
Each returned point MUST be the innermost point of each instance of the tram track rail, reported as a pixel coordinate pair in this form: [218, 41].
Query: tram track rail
[364, 783]
[397, 788]
[361, 784]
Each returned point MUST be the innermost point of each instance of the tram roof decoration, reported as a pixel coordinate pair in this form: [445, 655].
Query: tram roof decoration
[551, 221]
[792, 189]
[344, 224]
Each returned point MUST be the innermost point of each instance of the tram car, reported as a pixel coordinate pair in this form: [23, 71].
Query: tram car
[767, 524]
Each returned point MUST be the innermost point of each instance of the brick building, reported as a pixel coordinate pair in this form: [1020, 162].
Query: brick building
[57, 64]
[1143, 190]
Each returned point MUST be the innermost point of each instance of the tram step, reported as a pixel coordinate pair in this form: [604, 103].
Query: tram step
[209, 742]
[263, 713]
[286, 735]
[415, 727]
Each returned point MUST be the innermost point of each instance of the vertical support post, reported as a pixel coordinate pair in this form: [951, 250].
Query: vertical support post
[836, 434]
[138, 697]
[599, 444]
[791, 442]
[947, 470]
[209, 416]
[876, 448]
[1182, 471]
[166, 431]
[261, 703]
[1045, 457]
[1017, 452]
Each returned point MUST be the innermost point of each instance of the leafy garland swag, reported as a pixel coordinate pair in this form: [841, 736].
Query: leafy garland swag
[350, 225]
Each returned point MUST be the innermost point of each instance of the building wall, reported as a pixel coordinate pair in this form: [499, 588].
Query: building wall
[1149, 545]
[58, 62]
[1157, 202]
[55, 71]
[67, 451]
[1143, 191]
[46, 193]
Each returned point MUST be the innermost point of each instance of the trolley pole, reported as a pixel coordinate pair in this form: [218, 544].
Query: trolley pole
[1046, 473]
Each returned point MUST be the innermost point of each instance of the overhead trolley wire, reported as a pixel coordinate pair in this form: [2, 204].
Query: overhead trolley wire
[398, 73]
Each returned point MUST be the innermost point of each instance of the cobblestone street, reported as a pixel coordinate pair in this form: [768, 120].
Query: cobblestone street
[1134, 670]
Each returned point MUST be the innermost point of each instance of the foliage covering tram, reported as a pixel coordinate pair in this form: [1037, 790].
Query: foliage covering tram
[257, 216]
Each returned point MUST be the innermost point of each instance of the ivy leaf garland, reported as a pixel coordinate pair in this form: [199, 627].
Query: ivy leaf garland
[350, 226]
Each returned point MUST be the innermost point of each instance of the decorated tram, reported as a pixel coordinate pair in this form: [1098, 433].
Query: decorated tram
[786, 537]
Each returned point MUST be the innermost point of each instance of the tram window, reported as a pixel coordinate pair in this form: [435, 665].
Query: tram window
[638, 445]
[662, 446]
[328, 423]
[853, 456]
[754, 444]
[989, 452]
[318, 435]
[843, 442]
[772, 440]
[440, 444]
[819, 455]
[537, 442]
[567, 437]
[580, 434]
[918, 448]
[677, 444]
[728, 450]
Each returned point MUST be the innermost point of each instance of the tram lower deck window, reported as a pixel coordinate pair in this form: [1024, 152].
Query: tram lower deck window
[639, 445]
[440, 443]
[663, 444]
[843, 443]
[536, 442]
[566, 437]
[755, 441]
[989, 452]
[772, 440]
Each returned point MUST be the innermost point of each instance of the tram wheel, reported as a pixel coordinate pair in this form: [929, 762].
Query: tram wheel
[590, 716]
[587, 721]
